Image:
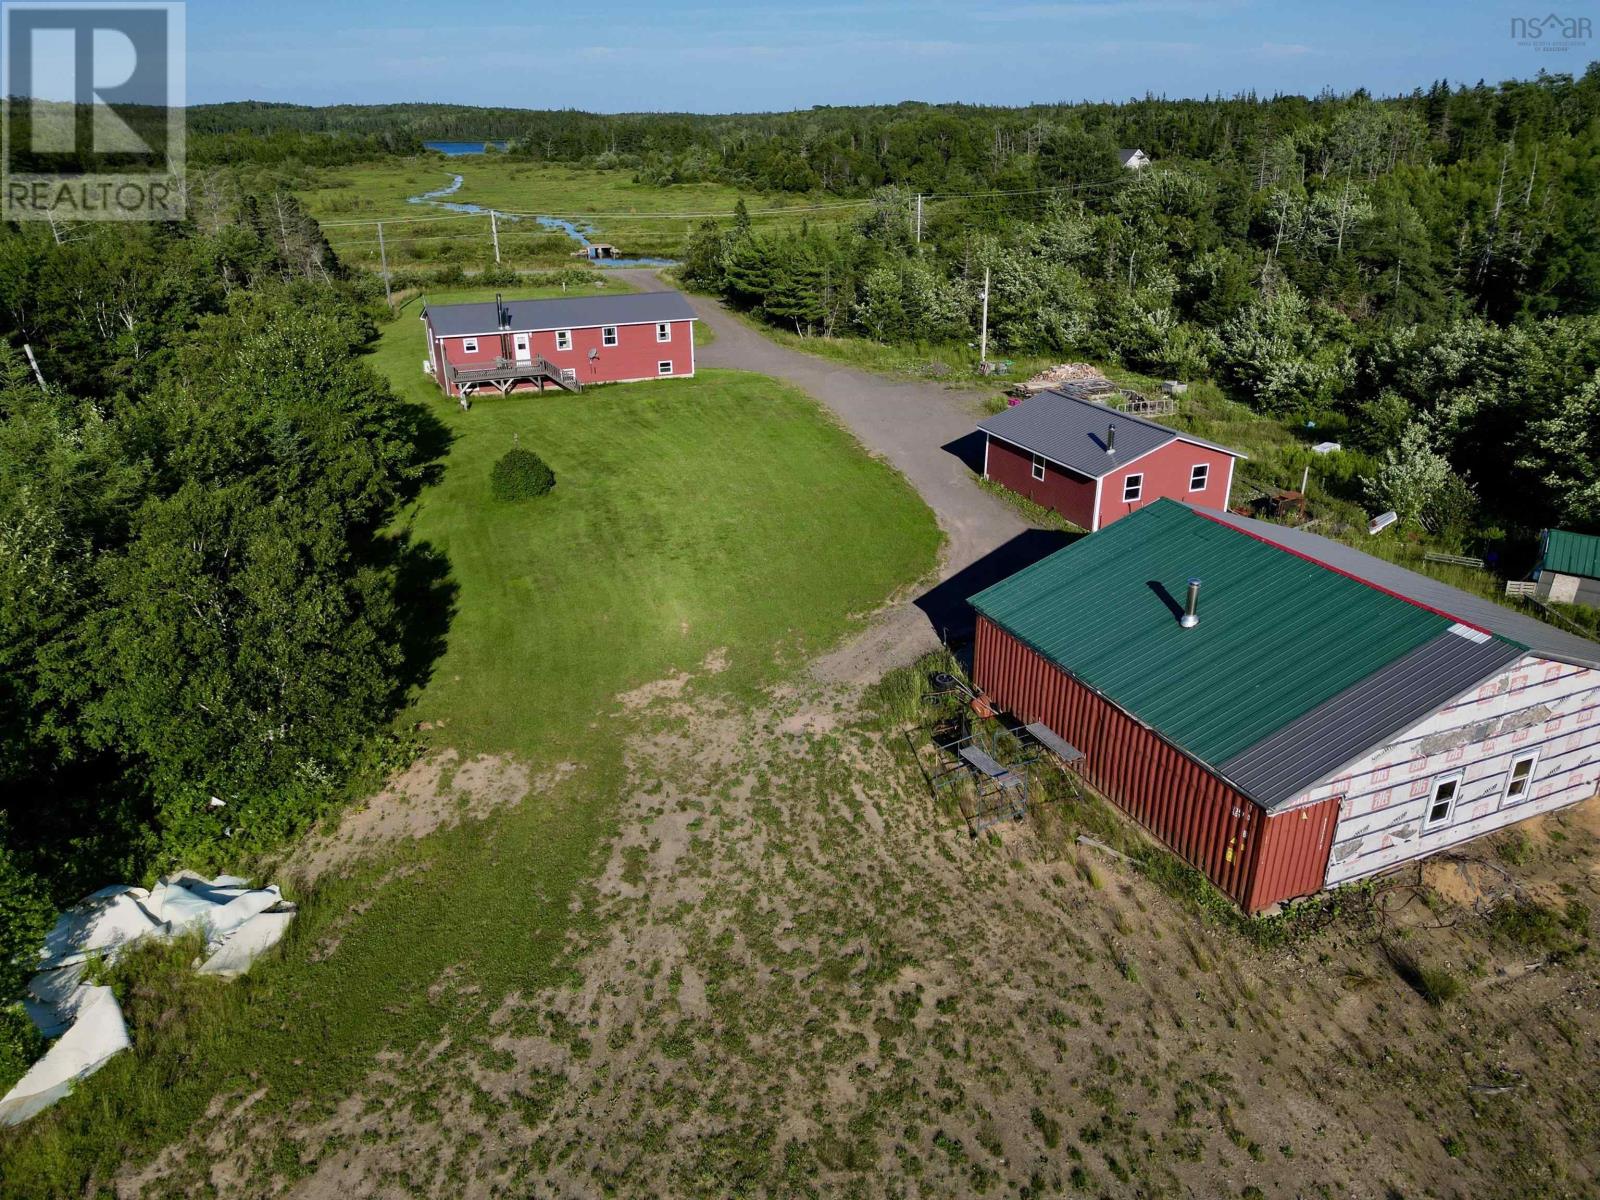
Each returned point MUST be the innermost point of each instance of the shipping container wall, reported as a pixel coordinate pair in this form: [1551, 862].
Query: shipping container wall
[1256, 860]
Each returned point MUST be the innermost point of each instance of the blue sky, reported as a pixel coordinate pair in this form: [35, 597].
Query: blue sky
[699, 56]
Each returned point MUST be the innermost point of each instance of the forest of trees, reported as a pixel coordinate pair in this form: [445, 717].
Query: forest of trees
[204, 623]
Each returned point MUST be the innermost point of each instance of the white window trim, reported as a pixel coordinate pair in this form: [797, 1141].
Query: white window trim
[1135, 484]
[663, 331]
[1038, 466]
[608, 335]
[1205, 477]
[1433, 798]
[1532, 759]
[469, 345]
[570, 374]
[664, 367]
[563, 339]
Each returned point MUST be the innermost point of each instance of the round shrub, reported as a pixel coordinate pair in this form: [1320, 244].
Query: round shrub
[520, 475]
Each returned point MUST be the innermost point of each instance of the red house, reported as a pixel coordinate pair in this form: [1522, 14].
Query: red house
[1093, 464]
[512, 345]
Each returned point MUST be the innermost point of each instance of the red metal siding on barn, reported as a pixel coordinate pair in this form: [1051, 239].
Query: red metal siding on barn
[1166, 473]
[1256, 859]
[1069, 494]
[635, 356]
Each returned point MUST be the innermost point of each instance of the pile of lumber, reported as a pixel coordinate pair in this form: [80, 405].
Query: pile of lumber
[1063, 373]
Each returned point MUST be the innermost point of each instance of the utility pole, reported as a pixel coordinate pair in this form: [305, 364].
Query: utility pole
[383, 260]
[919, 218]
[983, 335]
[494, 232]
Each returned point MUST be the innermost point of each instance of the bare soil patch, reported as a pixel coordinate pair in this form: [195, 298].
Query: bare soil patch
[435, 791]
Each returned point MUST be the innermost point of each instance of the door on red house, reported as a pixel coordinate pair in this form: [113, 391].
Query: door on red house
[523, 353]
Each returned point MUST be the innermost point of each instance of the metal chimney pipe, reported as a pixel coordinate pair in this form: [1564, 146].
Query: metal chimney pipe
[1111, 438]
[1191, 618]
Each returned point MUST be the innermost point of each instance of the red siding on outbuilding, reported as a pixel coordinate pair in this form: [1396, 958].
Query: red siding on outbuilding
[1256, 859]
[1166, 473]
[1070, 494]
[636, 355]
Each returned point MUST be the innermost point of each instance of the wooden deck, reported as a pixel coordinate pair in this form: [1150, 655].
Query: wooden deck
[504, 374]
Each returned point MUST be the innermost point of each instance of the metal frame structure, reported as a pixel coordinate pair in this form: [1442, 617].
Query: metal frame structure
[975, 753]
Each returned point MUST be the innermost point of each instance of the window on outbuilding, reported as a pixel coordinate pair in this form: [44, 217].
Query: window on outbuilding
[1519, 780]
[608, 335]
[663, 331]
[664, 367]
[1038, 466]
[1132, 489]
[1442, 802]
[1199, 476]
[470, 345]
[563, 339]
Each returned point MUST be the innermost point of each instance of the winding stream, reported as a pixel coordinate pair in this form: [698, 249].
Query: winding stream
[578, 233]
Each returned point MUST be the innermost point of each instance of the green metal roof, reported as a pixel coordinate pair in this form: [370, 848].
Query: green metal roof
[1571, 553]
[1278, 634]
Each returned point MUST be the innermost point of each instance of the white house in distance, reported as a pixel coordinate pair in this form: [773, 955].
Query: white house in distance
[1133, 158]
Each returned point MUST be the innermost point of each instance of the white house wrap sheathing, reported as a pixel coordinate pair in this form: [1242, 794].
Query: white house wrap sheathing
[1534, 706]
[240, 923]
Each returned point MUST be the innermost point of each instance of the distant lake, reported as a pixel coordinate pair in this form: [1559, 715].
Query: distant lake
[458, 148]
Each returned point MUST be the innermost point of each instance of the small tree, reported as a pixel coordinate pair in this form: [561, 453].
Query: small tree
[1412, 477]
[520, 475]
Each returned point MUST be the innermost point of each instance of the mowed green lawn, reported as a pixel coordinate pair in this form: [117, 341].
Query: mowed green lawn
[722, 514]
[640, 218]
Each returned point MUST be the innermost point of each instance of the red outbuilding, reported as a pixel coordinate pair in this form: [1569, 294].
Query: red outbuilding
[1093, 464]
[1283, 711]
[513, 345]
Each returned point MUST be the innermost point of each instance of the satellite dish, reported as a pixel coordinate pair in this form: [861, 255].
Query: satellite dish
[593, 354]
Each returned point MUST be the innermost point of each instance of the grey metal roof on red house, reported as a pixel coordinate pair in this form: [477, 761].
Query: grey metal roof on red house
[1072, 433]
[577, 312]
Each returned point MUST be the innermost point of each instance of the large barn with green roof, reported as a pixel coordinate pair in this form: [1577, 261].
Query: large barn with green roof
[1318, 714]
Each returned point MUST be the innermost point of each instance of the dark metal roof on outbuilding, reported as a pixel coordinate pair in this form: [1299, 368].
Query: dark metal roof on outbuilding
[1314, 745]
[577, 312]
[1071, 432]
[1544, 640]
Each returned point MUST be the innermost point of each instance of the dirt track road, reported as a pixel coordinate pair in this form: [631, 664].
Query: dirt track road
[912, 425]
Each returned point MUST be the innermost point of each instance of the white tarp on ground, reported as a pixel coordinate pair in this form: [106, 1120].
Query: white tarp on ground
[240, 922]
[95, 1036]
